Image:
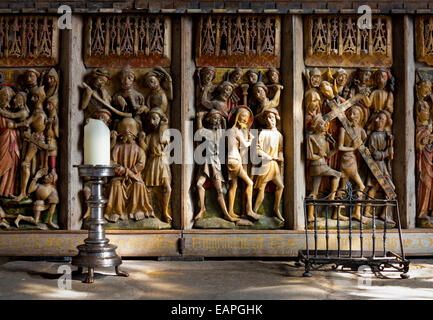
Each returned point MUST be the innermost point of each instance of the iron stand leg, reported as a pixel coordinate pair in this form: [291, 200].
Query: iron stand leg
[121, 273]
[90, 275]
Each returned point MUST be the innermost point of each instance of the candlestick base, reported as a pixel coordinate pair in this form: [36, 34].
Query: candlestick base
[96, 250]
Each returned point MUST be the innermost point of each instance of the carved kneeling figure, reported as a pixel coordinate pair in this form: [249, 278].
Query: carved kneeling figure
[46, 198]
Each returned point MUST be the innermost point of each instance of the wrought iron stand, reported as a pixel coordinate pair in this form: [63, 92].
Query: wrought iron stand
[96, 252]
[352, 259]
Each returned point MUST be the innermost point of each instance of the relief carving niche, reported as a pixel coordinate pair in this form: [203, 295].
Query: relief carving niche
[239, 158]
[348, 116]
[130, 89]
[29, 123]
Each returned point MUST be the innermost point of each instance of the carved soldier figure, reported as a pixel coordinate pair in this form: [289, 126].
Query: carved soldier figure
[270, 150]
[313, 103]
[206, 76]
[161, 89]
[380, 99]
[128, 193]
[46, 197]
[360, 84]
[211, 169]
[51, 84]
[220, 102]
[274, 82]
[36, 141]
[339, 82]
[380, 144]
[239, 140]
[259, 92]
[234, 78]
[96, 96]
[157, 172]
[424, 147]
[128, 99]
[314, 78]
[318, 150]
[30, 79]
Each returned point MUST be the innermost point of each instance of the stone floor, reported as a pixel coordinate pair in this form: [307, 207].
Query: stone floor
[210, 279]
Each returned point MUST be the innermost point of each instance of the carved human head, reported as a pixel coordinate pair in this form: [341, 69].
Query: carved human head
[6, 95]
[104, 115]
[236, 75]
[382, 120]
[207, 75]
[127, 77]
[271, 116]
[156, 116]
[381, 77]
[100, 77]
[52, 78]
[260, 92]
[364, 74]
[327, 90]
[253, 76]
[31, 77]
[52, 103]
[242, 117]
[37, 95]
[127, 129]
[20, 99]
[312, 101]
[318, 125]
[355, 114]
[152, 80]
[315, 78]
[423, 88]
[225, 89]
[50, 178]
[214, 118]
[341, 77]
[273, 75]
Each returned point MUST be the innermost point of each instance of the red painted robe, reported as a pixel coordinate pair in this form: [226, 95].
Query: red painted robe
[425, 169]
[9, 158]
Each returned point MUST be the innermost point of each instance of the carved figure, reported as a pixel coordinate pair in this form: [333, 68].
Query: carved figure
[270, 150]
[320, 146]
[128, 193]
[161, 89]
[239, 140]
[157, 172]
[211, 169]
[46, 197]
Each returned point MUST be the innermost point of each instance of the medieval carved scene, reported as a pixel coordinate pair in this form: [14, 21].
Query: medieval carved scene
[239, 181]
[348, 125]
[134, 105]
[29, 134]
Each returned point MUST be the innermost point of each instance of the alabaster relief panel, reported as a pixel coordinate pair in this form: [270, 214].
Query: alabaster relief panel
[28, 41]
[239, 149]
[424, 146]
[349, 138]
[135, 105]
[127, 40]
[336, 40]
[29, 135]
[238, 41]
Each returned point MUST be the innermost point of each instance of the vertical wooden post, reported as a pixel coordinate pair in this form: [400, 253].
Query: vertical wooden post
[72, 71]
[183, 112]
[404, 126]
[292, 67]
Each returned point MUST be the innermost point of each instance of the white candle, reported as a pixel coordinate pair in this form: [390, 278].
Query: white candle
[96, 143]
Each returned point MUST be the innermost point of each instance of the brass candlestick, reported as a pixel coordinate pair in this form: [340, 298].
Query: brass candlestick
[96, 252]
